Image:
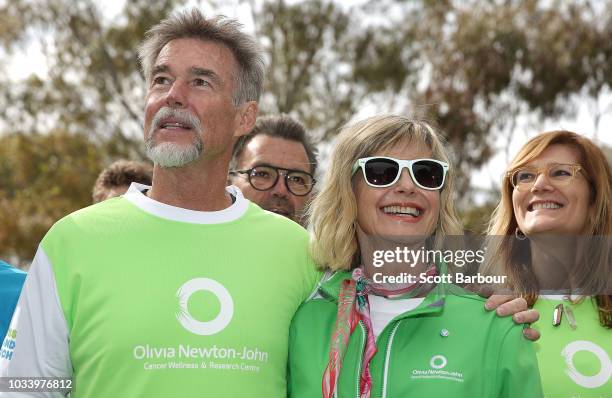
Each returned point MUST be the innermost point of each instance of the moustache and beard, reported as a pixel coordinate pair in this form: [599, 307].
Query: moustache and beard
[281, 205]
[170, 154]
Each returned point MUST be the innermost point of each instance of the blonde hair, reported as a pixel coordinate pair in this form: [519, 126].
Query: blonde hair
[512, 257]
[333, 213]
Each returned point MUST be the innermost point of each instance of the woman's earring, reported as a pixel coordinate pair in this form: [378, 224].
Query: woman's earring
[519, 234]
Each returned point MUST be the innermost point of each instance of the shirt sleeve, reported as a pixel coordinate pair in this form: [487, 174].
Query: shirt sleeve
[37, 344]
[518, 367]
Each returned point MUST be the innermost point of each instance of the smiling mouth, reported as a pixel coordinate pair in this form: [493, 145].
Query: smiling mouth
[402, 211]
[544, 206]
[174, 126]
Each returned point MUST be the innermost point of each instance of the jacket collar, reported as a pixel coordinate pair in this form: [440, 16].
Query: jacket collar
[433, 303]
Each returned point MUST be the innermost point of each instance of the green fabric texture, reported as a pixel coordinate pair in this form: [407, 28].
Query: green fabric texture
[574, 363]
[482, 356]
[119, 270]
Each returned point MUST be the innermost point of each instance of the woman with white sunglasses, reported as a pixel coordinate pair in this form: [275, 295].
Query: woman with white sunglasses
[381, 325]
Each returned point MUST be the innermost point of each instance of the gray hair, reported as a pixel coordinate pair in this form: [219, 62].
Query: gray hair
[193, 24]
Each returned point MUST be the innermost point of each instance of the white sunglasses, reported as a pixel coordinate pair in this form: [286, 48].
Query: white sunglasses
[382, 171]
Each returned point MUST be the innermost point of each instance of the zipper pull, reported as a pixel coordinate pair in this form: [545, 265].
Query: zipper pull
[557, 315]
[571, 319]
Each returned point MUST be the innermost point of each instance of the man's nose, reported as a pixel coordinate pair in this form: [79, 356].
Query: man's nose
[177, 95]
[280, 188]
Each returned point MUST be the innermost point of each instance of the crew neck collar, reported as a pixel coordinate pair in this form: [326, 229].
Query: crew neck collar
[136, 196]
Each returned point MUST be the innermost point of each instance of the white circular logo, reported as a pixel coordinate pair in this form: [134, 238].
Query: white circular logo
[210, 327]
[438, 362]
[587, 381]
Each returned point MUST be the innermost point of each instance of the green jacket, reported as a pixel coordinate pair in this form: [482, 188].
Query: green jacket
[482, 355]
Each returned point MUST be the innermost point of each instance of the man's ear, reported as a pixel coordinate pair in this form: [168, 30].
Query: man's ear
[248, 115]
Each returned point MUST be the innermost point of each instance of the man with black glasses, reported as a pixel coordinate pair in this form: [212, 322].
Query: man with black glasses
[274, 166]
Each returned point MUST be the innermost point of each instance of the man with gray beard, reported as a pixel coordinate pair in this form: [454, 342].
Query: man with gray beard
[152, 294]
[169, 154]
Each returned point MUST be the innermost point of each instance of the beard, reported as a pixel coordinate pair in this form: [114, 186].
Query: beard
[171, 154]
[282, 206]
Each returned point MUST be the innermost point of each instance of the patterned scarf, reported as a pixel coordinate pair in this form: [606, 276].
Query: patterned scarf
[353, 307]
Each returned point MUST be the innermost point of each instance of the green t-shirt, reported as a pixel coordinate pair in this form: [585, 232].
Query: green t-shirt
[573, 363]
[157, 301]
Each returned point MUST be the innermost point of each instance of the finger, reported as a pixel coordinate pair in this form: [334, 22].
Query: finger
[531, 334]
[529, 316]
[496, 300]
[512, 307]
[484, 291]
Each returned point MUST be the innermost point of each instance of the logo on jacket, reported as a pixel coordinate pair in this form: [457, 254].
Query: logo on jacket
[207, 328]
[595, 381]
[437, 363]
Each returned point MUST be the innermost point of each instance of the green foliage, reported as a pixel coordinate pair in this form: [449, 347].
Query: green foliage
[93, 83]
[42, 178]
[477, 65]
[476, 218]
[310, 49]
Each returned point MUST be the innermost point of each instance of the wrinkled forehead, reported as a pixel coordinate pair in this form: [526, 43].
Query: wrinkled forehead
[197, 54]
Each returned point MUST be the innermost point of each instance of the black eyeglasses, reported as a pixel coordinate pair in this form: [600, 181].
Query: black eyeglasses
[264, 177]
[381, 171]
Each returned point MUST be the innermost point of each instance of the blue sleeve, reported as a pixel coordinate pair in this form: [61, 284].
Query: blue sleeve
[11, 282]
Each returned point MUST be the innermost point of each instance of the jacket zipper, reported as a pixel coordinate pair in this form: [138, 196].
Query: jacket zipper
[387, 355]
[363, 337]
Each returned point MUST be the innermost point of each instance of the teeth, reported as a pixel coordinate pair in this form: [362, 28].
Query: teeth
[545, 205]
[402, 210]
[179, 125]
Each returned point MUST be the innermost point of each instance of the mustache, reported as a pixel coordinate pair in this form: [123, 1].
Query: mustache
[280, 204]
[181, 115]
